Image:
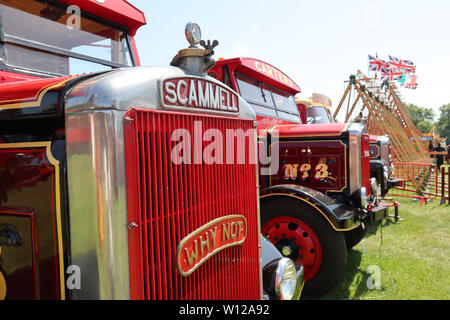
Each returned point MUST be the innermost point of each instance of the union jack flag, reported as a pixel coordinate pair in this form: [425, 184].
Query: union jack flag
[390, 74]
[405, 65]
[376, 64]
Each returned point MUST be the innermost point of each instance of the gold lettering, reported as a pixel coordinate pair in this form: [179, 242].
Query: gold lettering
[213, 235]
[226, 232]
[240, 223]
[290, 171]
[204, 243]
[304, 169]
[194, 254]
[234, 229]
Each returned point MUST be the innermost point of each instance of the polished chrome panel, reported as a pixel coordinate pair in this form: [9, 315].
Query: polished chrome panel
[355, 173]
[97, 205]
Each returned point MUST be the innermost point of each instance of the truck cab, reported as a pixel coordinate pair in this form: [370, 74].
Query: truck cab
[111, 186]
[315, 110]
[317, 194]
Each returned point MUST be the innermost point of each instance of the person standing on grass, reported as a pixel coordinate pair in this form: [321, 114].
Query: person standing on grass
[440, 157]
[431, 148]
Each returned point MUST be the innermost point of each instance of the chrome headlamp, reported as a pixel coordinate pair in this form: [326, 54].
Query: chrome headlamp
[386, 172]
[286, 283]
[373, 186]
[363, 195]
[392, 170]
[283, 281]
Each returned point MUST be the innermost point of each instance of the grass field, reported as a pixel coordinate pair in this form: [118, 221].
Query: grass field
[406, 260]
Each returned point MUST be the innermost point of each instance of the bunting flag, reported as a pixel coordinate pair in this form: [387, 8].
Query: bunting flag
[405, 65]
[394, 69]
[412, 84]
[376, 64]
[391, 74]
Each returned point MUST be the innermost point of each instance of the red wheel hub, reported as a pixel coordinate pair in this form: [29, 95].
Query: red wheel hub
[297, 240]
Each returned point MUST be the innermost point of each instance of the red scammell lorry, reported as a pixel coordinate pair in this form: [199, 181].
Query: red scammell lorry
[110, 184]
[317, 109]
[317, 194]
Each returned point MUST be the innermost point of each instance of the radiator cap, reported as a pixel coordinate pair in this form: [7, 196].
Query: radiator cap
[195, 60]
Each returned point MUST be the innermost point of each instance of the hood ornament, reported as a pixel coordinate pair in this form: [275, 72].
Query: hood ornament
[193, 34]
[193, 59]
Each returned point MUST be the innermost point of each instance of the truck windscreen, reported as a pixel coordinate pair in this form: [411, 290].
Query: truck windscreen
[42, 38]
[266, 100]
[317, 114]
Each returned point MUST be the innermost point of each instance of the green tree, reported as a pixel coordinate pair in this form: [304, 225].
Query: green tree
[443, 124]
[425, 126]
[420, 114]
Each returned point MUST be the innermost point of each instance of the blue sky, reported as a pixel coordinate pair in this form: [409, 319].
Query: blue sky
[319, 44]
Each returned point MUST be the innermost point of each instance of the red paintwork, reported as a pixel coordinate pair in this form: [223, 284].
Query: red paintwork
[137, 60]
[266, 123]
[311, 153]
[258, 70]
[26, 171]
[28, 90]
[302, 109]
[6, 77]
[324, 146]
[309, 130]
[118, 11]
[167, 197]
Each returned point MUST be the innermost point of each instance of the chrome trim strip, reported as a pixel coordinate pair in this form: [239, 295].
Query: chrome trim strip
[355, 131]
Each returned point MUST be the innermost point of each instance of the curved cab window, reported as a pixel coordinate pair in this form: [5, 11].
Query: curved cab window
[317, 114]
[40, 37]
[268, 101]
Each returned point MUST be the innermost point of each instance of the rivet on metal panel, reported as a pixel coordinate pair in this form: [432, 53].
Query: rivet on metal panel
[132, 225]
[128, 120]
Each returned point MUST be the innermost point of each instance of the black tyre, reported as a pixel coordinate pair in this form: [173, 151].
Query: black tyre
[353, 237]
[301, 233]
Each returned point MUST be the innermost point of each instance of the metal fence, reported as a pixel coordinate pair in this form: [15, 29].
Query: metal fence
[422, 181]
[444, 178]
